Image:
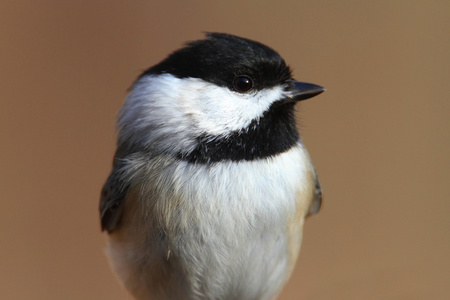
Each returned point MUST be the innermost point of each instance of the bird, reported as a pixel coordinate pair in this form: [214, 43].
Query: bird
[211, 182]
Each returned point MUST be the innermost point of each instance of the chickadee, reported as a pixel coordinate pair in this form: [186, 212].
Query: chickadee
[211, 182]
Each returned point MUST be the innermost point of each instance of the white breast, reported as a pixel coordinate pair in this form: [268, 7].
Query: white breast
[230, 230]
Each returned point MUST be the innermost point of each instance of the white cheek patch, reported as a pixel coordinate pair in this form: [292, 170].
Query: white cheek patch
[170, 113]
[218, 111]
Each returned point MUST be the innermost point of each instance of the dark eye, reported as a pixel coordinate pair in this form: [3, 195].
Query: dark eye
[243, 83]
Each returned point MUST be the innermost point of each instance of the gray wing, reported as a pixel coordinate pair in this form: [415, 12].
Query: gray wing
[113, 194]
[316, 203]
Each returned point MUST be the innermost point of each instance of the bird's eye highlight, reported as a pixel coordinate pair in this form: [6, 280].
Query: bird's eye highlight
[243, 83]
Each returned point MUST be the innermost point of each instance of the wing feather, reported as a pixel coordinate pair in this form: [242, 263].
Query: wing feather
[316, 202]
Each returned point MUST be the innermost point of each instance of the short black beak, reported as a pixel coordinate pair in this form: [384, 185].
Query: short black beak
[298, 91]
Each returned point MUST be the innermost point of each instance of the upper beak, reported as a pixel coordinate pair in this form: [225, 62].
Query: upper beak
[298, 91]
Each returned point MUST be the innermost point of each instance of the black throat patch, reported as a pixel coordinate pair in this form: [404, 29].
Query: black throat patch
[273, 133]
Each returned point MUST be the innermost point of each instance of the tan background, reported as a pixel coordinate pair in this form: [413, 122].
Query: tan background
[379, 136]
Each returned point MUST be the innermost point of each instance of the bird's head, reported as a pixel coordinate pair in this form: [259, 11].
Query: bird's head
[221, 98]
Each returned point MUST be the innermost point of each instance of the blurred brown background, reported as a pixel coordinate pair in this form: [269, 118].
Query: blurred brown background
[379, 136]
